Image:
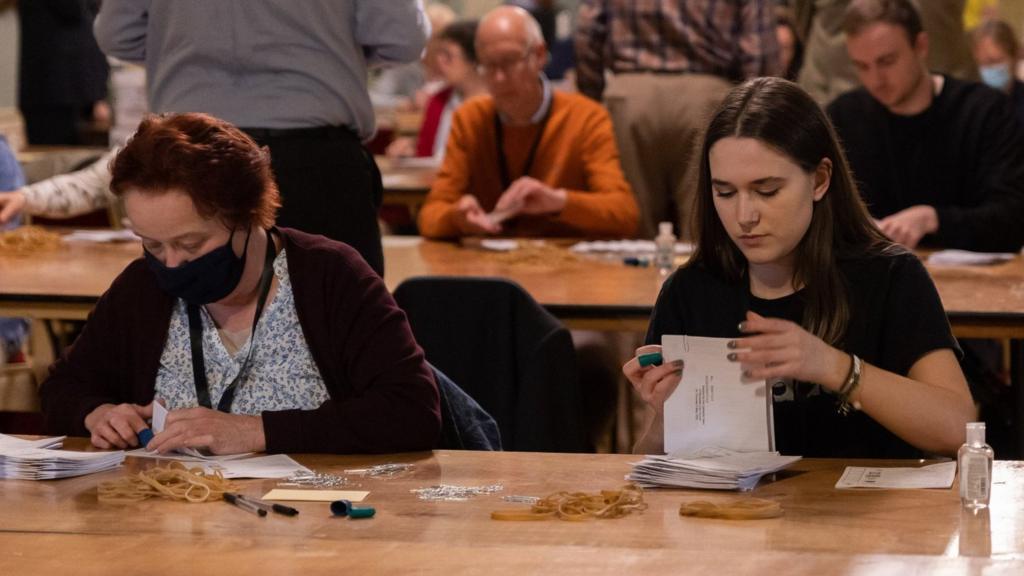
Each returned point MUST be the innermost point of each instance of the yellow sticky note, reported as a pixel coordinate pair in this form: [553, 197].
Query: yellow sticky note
[316, 495]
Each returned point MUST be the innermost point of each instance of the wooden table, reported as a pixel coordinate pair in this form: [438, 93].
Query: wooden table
[406, 182]
[58, 527]
[584, 292]
[61, 284]
[982, 302]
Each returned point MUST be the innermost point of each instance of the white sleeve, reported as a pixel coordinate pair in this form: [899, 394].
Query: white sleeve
[72, 194]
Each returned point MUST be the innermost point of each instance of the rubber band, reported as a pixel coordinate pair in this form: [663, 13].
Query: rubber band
[577, 506]
[28, 239]
[742, 509]
[175, 482]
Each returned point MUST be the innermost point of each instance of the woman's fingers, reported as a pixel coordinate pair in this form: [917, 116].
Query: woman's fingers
[107, 433]
[664, 388]
[652, 380]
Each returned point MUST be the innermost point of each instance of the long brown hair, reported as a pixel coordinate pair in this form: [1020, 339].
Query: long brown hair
[781, 115]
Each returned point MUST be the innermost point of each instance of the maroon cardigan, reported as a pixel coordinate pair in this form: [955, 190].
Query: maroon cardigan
[383, 397]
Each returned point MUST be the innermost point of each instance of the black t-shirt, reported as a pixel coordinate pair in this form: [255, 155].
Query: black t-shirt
[964, 156]
[896, 317]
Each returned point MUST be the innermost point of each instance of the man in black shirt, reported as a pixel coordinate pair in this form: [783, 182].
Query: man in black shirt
[937, 159]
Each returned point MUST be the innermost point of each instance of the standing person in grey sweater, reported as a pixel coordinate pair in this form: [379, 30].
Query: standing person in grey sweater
[671, 64]
[293, 76]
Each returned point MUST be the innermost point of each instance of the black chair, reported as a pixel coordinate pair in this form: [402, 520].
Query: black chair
[505, 351]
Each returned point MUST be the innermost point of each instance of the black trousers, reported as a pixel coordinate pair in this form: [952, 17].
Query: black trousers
[52, 125]
[329, 184]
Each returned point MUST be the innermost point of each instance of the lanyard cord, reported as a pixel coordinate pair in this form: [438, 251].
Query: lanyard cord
[499, 131]
[195, 333]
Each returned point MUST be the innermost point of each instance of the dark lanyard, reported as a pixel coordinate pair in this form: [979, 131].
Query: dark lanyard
[499, 131]
[195, 334]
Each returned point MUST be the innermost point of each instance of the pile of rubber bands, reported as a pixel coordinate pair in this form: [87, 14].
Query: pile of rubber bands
[580, 505]
[174, 482]
[28, 239]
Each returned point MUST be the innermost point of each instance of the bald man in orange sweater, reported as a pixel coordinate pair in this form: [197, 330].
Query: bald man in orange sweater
[525, 160]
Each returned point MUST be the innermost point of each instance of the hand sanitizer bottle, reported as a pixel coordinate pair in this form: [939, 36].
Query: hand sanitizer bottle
[665, 248]
[975, 462]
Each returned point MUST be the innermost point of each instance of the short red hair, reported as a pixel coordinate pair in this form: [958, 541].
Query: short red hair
[225, 173]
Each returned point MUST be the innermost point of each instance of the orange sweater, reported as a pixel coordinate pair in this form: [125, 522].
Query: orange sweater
[577, 152]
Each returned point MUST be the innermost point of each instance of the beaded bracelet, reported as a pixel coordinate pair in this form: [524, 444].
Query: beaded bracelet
[846, 390]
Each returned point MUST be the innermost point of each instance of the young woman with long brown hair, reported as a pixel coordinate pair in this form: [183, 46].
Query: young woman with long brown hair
[789, 265]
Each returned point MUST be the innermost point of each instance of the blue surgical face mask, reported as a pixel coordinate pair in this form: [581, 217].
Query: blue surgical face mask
[996, 75]
[208, 278]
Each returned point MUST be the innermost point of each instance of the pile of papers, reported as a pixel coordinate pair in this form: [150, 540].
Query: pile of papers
[719, 426]
[716, 469]
[40, 459]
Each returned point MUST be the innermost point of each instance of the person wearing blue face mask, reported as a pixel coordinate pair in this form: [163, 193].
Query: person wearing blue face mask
[939, 160]
[255, 338]
[996, 51]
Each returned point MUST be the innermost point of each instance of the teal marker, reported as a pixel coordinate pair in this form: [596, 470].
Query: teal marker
[345, 508]
[651, 359]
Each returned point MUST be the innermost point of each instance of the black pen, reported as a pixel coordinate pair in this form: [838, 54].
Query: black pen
[244, 504]
[279, 508]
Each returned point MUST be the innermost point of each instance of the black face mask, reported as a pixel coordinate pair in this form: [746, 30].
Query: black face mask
[206, 279]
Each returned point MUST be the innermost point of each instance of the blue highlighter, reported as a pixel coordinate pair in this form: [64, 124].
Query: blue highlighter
[145, 435]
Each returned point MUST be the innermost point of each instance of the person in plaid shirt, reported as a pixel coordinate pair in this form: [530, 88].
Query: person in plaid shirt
[672, 63]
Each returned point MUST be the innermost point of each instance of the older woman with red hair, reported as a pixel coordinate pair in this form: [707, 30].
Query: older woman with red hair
[255, 338]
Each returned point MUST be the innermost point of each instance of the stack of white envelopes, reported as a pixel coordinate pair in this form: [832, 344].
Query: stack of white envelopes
[715, 469]
[41, 460]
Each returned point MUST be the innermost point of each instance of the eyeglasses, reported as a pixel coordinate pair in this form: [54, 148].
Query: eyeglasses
[505, 66]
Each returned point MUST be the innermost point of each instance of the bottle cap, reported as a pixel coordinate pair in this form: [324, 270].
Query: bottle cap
[664, 228]
[975, 432]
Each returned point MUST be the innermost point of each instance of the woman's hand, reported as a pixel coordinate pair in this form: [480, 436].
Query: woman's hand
[782, 349]
[654, 383]
[213, 430]
[117, 425]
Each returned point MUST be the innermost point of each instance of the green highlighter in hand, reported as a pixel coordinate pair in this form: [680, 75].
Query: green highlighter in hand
[651, 359]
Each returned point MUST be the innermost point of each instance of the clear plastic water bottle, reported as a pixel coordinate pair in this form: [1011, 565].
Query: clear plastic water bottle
[665, 248]
[975, 463]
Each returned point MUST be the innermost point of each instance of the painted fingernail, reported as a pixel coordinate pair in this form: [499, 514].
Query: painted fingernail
[746, 374]
[677, 363]
[742, 326]
[731, 356]
[731, 344]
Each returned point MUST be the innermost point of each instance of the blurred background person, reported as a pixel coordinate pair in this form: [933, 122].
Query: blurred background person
[671, 63]
[410, 85]
[293, 76]
[13, 331]
[456, 62]
[791, 46]
[997, 52]
[62, 75]
[827, 71]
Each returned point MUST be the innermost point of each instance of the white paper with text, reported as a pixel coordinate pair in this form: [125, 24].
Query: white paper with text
[714, 405]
